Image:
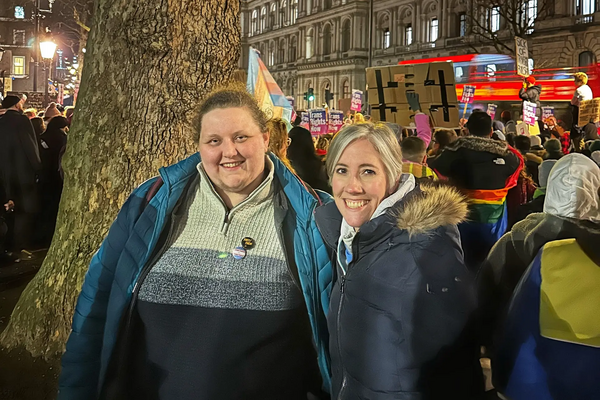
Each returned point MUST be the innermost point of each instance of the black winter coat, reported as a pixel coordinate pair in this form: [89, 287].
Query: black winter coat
[400, 320]
[476, 163]
[19, 161]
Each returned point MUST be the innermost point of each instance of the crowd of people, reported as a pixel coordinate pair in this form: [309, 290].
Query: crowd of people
[381, 262]
[31, 180]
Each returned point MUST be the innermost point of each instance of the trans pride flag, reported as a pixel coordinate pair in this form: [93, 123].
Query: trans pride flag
[265, 90]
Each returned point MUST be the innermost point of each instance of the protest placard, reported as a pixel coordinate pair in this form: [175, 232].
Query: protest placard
[356, 104]
[305, 119]
[468, 94]
[318, 122]
[491, 110]
[522, 129]
[547, 112]
[589, 111]
[522, 56]
[529, 110]
[336, 121]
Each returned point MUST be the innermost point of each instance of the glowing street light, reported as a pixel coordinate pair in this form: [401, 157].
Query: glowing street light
[47, 50]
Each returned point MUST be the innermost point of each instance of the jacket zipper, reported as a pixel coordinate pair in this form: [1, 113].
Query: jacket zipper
[342, 289]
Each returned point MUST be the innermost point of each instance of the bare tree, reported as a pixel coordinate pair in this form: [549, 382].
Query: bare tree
[497, 22]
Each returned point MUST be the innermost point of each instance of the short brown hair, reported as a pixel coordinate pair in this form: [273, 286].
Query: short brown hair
[444, 137]
[233, 95]
[413, 149]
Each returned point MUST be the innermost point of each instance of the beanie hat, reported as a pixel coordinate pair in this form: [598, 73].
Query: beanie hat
[10, 101]
[595, 145]
[553, 146]
[51, 111]
[535, 140]
[544, 171]
[530, 79]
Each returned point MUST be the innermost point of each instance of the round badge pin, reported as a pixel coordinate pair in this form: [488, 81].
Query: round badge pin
[239, 253]
[248, 243]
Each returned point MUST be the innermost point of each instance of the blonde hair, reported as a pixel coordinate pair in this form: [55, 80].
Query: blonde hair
[581, 77]
[383, 140]
[278, 139]
[359, 118]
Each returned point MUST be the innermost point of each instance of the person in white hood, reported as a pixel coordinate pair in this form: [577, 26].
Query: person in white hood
[571, 211]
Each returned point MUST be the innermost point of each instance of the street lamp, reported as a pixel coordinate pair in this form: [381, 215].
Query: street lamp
[47, 49]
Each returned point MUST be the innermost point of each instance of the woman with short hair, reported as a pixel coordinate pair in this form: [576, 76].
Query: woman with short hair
[402, 301]
[215, 286]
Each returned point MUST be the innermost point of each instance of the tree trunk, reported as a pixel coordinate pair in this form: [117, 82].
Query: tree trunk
[148, 63]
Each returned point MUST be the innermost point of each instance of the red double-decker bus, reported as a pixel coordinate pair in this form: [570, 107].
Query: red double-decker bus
[496, 81]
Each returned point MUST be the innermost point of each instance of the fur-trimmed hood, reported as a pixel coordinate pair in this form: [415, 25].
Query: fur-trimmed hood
[479, 144]
[436, 204]
[429, 206]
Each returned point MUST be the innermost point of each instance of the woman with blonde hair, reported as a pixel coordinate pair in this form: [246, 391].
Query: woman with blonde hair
[401, 299]
[582, 93]
[279, 140]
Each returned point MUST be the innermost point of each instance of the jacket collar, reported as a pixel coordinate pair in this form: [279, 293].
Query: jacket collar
[479, 144]
[427, 207]
[298, 195]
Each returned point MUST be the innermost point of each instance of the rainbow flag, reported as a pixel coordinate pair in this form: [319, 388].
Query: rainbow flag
[488, 218]
[265, 90]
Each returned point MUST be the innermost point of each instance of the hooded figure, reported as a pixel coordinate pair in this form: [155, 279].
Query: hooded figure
[549, 347]
[571, 211]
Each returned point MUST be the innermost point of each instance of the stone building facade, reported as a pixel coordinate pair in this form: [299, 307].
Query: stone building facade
[324, 44]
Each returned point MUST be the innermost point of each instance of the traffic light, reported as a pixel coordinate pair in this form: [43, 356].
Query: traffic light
[328, 96]
[311, 94]
[306, 96]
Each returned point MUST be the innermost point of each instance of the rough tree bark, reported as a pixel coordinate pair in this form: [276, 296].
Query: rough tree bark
[147, 65]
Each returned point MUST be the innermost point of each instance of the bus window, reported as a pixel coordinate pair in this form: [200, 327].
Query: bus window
[459, 74]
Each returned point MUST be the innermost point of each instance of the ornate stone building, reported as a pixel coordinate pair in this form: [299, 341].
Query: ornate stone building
[324, 44]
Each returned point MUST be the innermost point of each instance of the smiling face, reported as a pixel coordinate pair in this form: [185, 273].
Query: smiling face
[233, 149]
[359, 182]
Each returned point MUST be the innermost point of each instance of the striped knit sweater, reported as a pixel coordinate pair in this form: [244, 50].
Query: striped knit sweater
[217, 326]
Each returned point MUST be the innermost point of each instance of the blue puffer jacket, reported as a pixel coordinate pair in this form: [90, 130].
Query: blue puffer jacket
[401, 316]
[115, 268]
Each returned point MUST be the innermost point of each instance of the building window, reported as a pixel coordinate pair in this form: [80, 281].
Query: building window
[281, 52]
[263, 19]
[19, 37]
[18, 65]
[495, 19]
[272, 15]
[433, 30]
[254, 22]
[585, 7]
[346, 89]
[386, 38]
[408, 35]
[294, 13]
[272, 55]
[19, 12]
[293, 50]
[530, 14]
[346, 36]
[282, 12]
[586, 58]
[462, 24]
[327, 40]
